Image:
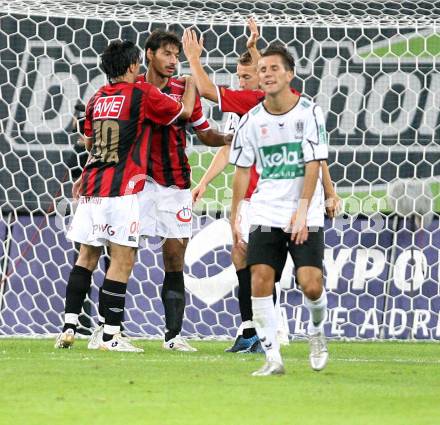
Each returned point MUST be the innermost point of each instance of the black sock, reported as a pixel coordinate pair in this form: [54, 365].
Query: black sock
[244, 299]
[69, 326]
[112, 298]
[173, 298]
[101, 306]
[79, 283]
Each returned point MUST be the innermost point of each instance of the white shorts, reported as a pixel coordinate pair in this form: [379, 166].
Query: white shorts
[243, 217]
[165, 211]
[98, 221]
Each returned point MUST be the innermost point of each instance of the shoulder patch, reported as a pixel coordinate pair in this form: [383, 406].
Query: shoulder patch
[256, 109]
[305, 103]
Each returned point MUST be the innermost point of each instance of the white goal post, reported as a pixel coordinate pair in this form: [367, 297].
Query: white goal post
[373, 68]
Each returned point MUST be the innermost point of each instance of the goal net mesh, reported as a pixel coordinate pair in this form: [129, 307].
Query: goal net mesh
[373, 68]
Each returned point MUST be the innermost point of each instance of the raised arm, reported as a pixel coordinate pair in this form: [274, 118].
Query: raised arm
[252, 40]
[188, 99]
[192, 47]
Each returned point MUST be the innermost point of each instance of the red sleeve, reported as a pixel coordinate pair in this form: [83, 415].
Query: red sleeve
[88, 124]
[159, 107]
[198, 120]
[238, 101]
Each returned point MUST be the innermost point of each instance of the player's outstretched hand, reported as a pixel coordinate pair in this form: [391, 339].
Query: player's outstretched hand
[192, 47]
[198, 192]
[76, 188]
[333, 205]
[253, 28]
[298, 225]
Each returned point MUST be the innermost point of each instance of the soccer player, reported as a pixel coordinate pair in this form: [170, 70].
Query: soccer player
[117, 128]
[237, 103]
[165, 202]
[247, 339]
[285, 136]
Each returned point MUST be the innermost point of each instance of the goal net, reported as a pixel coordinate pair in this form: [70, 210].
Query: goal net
[373, 68]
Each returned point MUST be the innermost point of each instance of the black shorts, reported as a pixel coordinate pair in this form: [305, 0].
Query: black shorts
[270, 245]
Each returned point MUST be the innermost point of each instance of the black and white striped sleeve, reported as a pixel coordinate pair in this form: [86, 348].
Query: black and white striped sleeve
[315, 145]
[242, 153]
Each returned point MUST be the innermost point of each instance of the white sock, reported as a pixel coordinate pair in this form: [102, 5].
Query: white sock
[278, 313]
[265, 321]
[318, 312]
[71, 319]
[111, 330]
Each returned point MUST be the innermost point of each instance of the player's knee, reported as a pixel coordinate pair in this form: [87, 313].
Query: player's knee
[173, 256]
[173, 262]
[88, 257]
[313, 291]
[123, 261]
[262, 282]
[312, 285]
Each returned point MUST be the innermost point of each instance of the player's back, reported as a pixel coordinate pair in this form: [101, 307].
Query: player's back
[118, 119]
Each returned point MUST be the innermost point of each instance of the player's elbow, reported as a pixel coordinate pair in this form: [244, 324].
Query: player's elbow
[211, 138]
[204, 136]
[186, 112]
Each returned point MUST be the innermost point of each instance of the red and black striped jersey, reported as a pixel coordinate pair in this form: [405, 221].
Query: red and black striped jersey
[167, 163]
[119, 119]
[240, 102]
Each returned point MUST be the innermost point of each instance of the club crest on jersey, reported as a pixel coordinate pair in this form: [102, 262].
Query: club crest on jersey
[264, 130]
[108, 107]
[299, 130]
[184, 215]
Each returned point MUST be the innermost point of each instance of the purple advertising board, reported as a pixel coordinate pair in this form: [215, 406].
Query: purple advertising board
[380, 283]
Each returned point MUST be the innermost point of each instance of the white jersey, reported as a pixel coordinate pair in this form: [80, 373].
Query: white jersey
[281, 145]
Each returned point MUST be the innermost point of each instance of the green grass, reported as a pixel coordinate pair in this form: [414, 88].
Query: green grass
[414, 46]
[364, 383]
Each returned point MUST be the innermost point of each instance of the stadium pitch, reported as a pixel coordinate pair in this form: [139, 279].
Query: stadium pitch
[364, 383]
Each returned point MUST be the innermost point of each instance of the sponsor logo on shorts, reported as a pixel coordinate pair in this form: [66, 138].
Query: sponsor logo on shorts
[134, 228]
[108, 107]
[103, 228]
[90, 200]
[184, 215]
